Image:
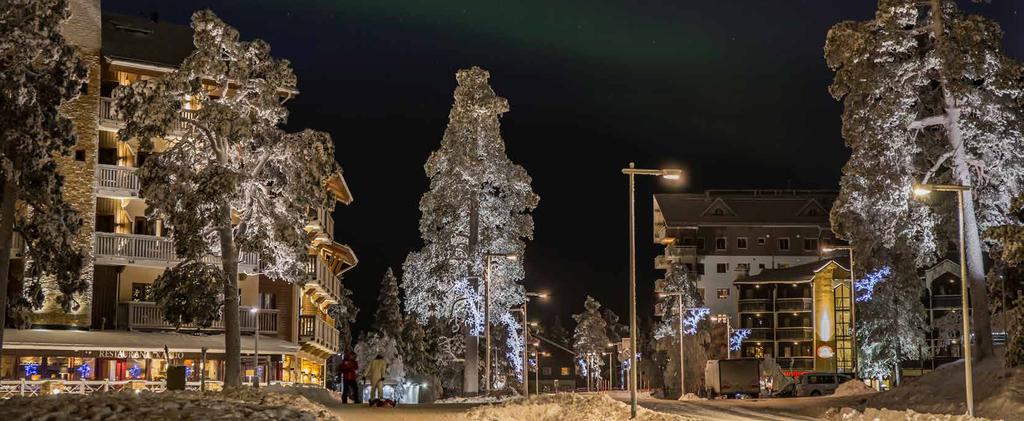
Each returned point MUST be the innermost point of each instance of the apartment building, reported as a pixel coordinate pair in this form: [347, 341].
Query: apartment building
[720, 236]
[118, 333]
[800, 315]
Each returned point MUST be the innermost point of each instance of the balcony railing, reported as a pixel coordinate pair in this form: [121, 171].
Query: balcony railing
[148, 250]
[794, 304]
[946, 301]
[108, 117]
[144, 315]
[760, 334]
[679, 252]
[322, 279]
[117, 181]
[321, 220]
[314, 329]
[795, 334]
[757, 305]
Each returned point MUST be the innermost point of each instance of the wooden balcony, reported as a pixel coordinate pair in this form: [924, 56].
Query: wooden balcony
[321, 221]
[324, 283]
[757, 305]
[794, 304]
[144, 315]
[314, 330]
[117, 182]
[152, 251]
[109, 120]
[795, 334]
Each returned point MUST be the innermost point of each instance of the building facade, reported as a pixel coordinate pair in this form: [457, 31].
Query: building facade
[118, 332]
[721, 236]
[800, 315]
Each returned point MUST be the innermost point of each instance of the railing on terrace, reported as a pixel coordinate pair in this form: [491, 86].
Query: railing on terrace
[157, 251]
[757, 305]
[314, 329]
[148, 315]
[322, 278]
[107, 114]
[28, 388]
[322, 220]
[761, 334]
[794, 304]
[117, 180]
[795, 334]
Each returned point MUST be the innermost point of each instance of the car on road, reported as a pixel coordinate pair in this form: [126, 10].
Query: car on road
[818, 384]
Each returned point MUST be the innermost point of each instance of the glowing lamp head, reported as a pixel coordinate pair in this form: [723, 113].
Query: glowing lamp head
[672, 174]
[253, 310]
[512, 257]
[921, 190]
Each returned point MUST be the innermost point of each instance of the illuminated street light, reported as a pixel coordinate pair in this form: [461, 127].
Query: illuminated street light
[632, 172]
[922, 190]
[526, 343]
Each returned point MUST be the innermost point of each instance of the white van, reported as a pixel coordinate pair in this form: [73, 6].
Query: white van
[818, 384]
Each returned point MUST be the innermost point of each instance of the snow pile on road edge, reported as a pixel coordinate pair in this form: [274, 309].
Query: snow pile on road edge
[853, 388]
[567, 407]
[247, 404]
[476, 399]
[872, 414]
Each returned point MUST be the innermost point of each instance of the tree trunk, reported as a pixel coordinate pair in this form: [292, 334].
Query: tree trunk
[471, 364]
[6, 232]
[232, 328]
[961, 171]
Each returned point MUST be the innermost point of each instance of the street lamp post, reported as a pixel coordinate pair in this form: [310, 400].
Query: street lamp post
[853, 303]
[923, 190]
[526, 342]
[256, 346]
[487, 314]
[631, 173]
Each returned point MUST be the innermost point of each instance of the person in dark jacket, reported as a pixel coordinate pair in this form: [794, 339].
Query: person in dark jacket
[348, 368]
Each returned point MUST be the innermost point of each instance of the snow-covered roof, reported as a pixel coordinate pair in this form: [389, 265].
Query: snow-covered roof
[116, 340]
[795, 274]
[141, 40]
[746, 207]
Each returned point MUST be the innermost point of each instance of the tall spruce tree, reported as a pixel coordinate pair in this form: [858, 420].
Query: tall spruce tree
[479, 202]
[590, 339]
[928, 96]
[388, 317]
[39, 72]
[232, 181]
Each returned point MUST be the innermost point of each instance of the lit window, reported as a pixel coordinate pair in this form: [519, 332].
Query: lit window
[723, 293]
[565, 371]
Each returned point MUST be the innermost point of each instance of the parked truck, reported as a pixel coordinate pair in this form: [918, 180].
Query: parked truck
[733, 377]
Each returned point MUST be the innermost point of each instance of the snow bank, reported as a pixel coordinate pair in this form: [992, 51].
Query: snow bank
[998, 391]
[476, 399]
[244, 404]
[852, 388]
[848, 414]
[567, 407]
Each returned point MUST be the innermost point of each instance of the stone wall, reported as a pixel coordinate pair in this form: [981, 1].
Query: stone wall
[83, 30]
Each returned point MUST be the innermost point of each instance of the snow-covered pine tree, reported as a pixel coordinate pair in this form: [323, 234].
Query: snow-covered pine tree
[479, 202]
[891, 322]
[1011, 238]
[677, 280]
[615, 330]
[590, 339]
[232, 181]
[39, 72]
[928, 96]
[388, 317]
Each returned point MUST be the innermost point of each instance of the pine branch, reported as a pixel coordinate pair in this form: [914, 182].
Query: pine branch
[937, 120]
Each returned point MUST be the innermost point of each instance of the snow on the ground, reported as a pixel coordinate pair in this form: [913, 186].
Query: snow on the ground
[567, 407]
[690, 397]
[243, 404]
[475, 399]
[998, 391]
[854, 387]
[872, 414]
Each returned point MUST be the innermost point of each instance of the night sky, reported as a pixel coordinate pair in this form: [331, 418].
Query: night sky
[732, 91]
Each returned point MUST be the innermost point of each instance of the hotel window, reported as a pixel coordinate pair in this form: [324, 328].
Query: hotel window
[545, 371]
[700, 268]
[810, 244]
[743, 267]
[723, 293]
[140, 291]
[783, 244]
[722, 267]
[741, 243]
[700, 293]
[268, 300]
[720, 243]
[565, 371]
[760, 241]
[760, 266]
[701, 244]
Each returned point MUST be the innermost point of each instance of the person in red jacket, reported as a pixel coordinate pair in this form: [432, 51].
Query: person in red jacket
[348, 368]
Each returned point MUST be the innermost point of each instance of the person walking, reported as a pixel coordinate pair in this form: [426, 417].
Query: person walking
[375, 372]
[348, 368]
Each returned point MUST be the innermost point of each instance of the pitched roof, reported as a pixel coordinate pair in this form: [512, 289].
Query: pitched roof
[141, 40]
[799, 273]
[719, 208]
